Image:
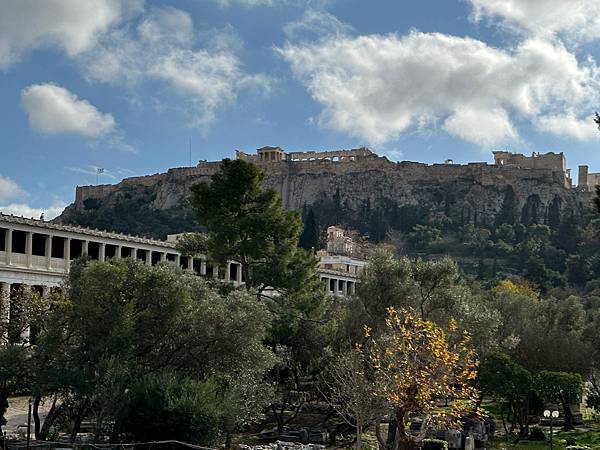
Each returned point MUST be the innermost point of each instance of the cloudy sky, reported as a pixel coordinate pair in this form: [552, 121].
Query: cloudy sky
[131, 85]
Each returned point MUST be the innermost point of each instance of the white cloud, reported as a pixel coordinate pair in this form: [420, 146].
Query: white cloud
[53, 109]
[9, 189]
[317, 23]
[162, 49]
[376, 87]
[247, 3]
[70, 25]
[483, 127]
[24, 210]
[169, 24]
[574, 19]
[569, 126]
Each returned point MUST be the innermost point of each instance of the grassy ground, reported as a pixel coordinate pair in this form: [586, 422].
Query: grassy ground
[588, 436]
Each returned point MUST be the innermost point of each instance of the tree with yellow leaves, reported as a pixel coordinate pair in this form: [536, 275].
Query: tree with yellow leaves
[523, 287]
[419, 369]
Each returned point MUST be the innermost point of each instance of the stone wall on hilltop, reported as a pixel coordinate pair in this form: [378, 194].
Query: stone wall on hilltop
[474, 191]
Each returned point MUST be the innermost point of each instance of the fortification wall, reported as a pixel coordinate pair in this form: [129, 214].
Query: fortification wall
[475, 189]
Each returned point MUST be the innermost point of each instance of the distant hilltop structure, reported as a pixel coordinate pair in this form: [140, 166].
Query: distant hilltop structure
[555, 162]
[357, 181]
[587, 181]
[276, 154]
[550, 161]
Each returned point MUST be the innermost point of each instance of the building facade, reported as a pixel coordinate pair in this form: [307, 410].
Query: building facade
[38, 254]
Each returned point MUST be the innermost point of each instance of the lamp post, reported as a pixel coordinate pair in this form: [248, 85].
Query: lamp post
[29, 426]
[551, 415]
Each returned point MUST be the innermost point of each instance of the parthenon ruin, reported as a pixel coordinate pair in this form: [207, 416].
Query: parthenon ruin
[277, 154]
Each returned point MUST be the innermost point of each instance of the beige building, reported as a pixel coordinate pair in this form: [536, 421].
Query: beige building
[340, 266]
[339, 242]
[339, 274]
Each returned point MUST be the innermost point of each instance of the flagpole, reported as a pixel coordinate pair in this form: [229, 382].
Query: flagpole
[99, 170]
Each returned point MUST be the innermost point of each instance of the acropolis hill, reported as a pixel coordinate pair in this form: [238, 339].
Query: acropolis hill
[360, 179]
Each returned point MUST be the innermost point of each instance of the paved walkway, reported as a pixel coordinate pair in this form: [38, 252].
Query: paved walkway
[16, 416]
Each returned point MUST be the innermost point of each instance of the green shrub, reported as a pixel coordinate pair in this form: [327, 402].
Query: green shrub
[536, 434]
[168, 406]
[578, 447]
[434, 444]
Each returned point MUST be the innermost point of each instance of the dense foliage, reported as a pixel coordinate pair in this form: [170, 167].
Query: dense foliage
[101, 342]
[151, 353]
[557, 249]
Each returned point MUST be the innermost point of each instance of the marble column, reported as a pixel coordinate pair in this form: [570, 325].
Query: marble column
[238, 274]
[118, 251]
[202, 267]
[4, 311]
[101, 251]
[163, 256]
[67, 253]
[177, 260]
[133, 254]
[8, 246]
[49, 251]
[29, 247]
[148, 257]
[85, 248]
[227, 271]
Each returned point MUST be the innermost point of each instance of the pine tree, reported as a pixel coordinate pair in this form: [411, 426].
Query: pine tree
[554, 213]
[248, 224]
[309, 239]
[509, 212]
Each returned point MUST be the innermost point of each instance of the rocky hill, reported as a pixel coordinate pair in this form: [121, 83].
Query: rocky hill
[355, 188]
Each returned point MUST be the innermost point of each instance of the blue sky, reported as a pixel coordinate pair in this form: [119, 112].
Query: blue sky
[127, 85]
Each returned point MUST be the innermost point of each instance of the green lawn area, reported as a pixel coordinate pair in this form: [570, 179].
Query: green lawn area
[588, 436]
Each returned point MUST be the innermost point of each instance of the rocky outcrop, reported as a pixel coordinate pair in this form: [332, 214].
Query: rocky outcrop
[475, 191]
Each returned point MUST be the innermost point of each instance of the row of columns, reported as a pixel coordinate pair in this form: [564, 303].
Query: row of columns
[5, 314]
[9, 260]
[186, 262]
[340, 287]
[271, 155]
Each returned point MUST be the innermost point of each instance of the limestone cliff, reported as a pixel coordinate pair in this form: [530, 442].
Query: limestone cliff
[474, 192]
